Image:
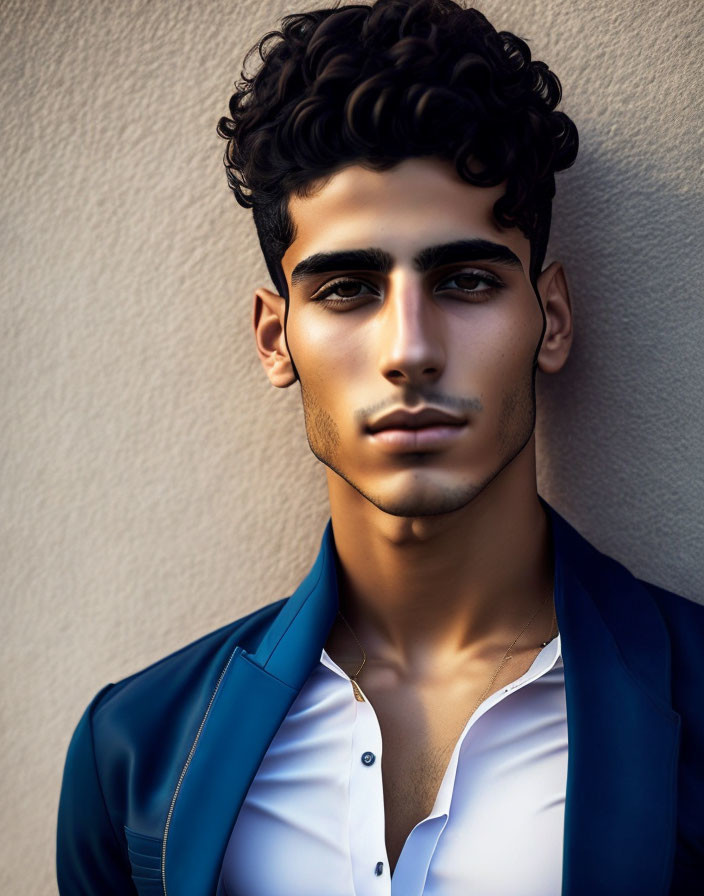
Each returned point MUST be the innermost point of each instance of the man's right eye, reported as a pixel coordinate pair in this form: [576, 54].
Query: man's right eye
[346, 289]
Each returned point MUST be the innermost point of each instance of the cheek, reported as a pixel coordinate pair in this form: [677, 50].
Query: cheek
[321, 427]
[516, 417]
[319, 342]
[326, 365]
[509, 380]
[499, 350]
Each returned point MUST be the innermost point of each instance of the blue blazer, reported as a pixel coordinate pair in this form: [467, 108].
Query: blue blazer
[160, 762]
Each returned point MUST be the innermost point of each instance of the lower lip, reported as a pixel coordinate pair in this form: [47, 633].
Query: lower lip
[416, 439]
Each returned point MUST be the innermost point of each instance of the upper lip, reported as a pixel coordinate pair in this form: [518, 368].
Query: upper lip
[404, 419]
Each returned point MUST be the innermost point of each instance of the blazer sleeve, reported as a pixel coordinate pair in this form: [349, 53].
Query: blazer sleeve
[90, 858]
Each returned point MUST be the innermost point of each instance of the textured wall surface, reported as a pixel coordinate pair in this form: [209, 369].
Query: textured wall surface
[154, 485]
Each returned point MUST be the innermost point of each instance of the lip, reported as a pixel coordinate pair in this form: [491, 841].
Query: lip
[402, 419]
[419, 439]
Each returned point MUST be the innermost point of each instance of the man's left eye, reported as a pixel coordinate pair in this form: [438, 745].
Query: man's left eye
[465, 282]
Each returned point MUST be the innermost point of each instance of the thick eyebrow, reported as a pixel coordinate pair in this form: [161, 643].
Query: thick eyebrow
[382, 261]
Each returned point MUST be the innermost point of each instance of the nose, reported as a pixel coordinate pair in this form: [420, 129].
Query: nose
[410, 336]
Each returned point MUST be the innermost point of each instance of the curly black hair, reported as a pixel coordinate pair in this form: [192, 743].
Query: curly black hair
[376, 84]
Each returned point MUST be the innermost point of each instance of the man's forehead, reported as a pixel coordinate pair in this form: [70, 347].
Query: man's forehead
[410, 185]
[417, 211]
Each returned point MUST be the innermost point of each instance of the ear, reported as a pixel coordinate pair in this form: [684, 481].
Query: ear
[268, 320]
[557, 341]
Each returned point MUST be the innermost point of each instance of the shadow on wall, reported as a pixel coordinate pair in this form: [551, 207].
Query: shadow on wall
[620, 427]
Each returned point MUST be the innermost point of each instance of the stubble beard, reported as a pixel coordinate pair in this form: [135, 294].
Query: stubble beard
[515, 427]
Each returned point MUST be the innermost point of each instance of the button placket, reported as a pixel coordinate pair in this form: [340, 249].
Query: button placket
[367, 823]
[411, 870]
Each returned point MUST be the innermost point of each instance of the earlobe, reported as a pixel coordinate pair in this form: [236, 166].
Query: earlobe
[557, 341]
[268, 320]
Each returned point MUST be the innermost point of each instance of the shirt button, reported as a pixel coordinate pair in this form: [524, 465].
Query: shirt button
[379, 868]
[368, 759]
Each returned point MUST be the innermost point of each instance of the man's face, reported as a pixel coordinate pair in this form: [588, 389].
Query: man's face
[457, 332]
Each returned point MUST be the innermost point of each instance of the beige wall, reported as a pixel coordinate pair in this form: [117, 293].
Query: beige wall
[154, 485]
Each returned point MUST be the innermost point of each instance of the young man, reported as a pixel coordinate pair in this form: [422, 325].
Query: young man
[462, 693]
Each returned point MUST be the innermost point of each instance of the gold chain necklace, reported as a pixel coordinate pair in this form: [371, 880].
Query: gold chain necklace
[358, 693]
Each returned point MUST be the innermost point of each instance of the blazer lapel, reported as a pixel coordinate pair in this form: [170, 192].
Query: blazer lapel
[251, 699]
[623, 735]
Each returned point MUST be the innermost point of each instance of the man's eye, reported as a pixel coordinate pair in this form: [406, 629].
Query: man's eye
[465, 282]
[346, 290]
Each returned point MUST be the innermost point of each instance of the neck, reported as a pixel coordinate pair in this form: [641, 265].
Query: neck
[423, 588]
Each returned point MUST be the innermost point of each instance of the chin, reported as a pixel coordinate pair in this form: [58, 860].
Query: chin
[420, 499]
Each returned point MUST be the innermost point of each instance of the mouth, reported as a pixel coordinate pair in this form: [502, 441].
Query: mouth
[404, 419]
[422, 438]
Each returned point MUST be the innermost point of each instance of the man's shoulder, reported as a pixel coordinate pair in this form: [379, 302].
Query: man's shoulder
[134, 736]
[683, 616]
[683, 619]
[596, 569]
[182, 678]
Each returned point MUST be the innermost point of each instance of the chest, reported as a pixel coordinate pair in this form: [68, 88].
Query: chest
[420, 727]
[314, 805]
[417, 746]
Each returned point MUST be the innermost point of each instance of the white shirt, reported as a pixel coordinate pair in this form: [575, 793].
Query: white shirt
[312, 823]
